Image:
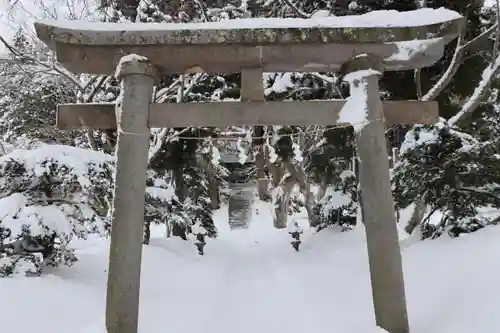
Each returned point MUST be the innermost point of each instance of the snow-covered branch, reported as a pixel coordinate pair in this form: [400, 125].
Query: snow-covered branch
[89, 132]
[455, 62]
[163, 138]
[162, 94]
[182, 91]
[25, 58]
[490, 73]
[296, 10]
[479, 94]
[203, 10]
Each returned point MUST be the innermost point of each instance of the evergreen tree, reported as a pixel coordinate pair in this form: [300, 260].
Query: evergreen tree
[455, 174]
[329, 168]
[339, 205]
[442, 152]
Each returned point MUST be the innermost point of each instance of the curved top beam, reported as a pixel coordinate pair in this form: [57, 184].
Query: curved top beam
[404, 40]
[373, 27]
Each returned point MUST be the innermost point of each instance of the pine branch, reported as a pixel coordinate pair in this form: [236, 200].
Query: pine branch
[418, 82]
[480, 193]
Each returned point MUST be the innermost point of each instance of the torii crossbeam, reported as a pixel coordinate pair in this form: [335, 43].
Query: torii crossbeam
[381, 41]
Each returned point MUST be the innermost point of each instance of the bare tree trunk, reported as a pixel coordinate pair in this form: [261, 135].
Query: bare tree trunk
[280, 214]
[262, 180]
[277, 172]
[298, 173]
[179, 183]
[416, 217]
[147, 232]
[282, 202]
[180, 192]
[213, 190]
[309, 202]
[322, 189]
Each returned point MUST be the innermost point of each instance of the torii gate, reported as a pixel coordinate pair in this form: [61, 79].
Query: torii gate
[379, 41]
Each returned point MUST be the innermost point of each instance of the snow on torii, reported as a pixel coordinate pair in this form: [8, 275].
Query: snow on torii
[363, 47]
[315, 44]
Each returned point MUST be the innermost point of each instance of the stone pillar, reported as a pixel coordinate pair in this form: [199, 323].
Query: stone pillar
[252, 89]
[378, 204]
[122, 299]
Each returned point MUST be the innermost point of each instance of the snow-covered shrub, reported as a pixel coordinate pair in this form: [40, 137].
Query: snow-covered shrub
[48, 196]
[297, 202]
[339, 204]
[453, 174]
[164, 207]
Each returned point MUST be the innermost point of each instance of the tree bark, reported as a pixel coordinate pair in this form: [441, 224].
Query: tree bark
[300, 176]
[262, 180]
[416, 217]
[282, 202]
[213, 190]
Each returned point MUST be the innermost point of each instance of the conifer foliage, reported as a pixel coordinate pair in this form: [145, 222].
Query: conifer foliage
[49, 196]
[454, 174]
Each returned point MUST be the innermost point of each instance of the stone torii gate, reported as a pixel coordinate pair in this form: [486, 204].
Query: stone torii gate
[249, 46]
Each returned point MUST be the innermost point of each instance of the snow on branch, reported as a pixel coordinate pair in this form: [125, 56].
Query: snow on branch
[296, 10]
[183, 89]
[455, 62]
[83, 93]
[55, 67]
[490, 73]
[481, 91]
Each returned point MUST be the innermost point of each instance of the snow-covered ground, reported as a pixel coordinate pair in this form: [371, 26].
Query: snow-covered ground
[253, 281]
